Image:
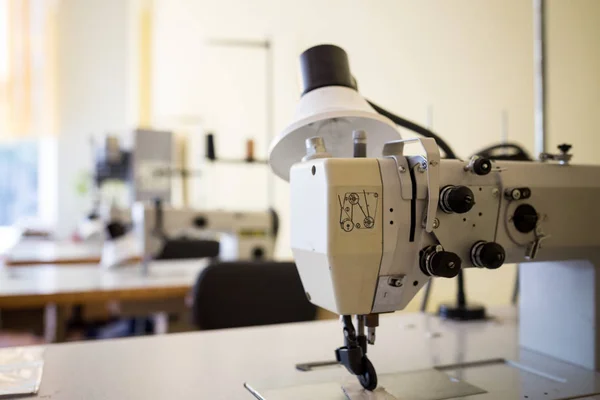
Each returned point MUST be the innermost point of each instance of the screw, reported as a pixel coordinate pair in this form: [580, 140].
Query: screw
[433, 163]
[436, 223]
[395, 282]
[422, 167]
[402, 169]
[439, 248]
[314, 147]
[516, 194]
[495, 193]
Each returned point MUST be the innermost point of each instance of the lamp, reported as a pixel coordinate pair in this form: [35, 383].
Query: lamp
[332, 108]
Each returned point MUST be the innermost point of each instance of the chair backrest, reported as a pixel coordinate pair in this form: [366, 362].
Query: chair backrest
[183, 248]
[249, 293]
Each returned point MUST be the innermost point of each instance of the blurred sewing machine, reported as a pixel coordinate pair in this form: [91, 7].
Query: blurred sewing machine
[142, 171]
[163, 232]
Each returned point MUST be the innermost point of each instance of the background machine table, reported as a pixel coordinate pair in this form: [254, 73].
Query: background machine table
[34, 252]
[215, 364]
[56, 288]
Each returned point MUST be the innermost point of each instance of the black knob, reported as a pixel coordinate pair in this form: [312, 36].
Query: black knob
[456, 199]
[258, 253]
[525, 218]
[200, 221]
[482, 166]
[116, 230]
[564, 148]
[435, 261]
[487, 255]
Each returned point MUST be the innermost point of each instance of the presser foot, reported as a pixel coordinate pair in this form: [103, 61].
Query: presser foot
[353, 355]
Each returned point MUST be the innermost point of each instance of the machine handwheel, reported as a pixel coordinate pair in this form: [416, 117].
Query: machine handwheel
[368, 379]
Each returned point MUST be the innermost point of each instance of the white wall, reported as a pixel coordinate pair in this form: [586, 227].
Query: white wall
[93, 91]
[573, 58]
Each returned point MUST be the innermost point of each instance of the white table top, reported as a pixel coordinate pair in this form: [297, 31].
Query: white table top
[32, 251]
[215, 364]
[35, 285]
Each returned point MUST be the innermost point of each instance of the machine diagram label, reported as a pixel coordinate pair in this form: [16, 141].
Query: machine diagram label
[358, 210]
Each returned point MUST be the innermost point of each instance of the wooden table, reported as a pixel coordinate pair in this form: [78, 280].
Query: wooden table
[56, 288]
[35, 252]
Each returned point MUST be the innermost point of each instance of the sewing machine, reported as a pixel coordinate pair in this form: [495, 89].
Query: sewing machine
[188, 232]
[143, 167]
[370, 224]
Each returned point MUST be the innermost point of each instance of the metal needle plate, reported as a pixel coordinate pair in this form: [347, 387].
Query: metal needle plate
[428, 384]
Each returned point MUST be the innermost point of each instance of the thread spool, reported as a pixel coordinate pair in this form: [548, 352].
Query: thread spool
[250, 150]
[210, 147]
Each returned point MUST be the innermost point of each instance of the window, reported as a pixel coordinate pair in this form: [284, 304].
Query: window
[27, 107]
[18, 181]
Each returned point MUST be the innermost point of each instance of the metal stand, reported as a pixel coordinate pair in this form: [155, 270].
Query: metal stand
[269, 85]
[461, 311]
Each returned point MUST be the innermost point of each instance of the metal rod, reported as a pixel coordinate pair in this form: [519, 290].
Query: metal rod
[360, 143]
[429, 117]
[269, 85]
[239, 43]
[539, 79]
[270, 115]
[515, 293]
[360, 325]
[461, 297]
[425, 300]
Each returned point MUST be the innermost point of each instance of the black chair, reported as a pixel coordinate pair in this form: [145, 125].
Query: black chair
[186, 248]
[173, 249]
[249, 293]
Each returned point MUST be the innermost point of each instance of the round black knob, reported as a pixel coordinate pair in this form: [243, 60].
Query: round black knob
[200, 221]
[525, 218]
[564, 148]
[258, 253]
[456, 199]
[437, 262]
[487, 255]
[116, 230]
[482, 166]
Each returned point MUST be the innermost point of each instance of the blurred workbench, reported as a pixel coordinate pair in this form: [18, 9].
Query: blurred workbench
[56, 289]
[38, 251]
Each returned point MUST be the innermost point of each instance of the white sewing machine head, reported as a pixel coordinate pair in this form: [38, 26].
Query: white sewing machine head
[247, 235]
[368, 233]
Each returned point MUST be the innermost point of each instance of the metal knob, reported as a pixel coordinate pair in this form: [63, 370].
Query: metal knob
[435, 261]
[456, 199]
[489, 255]
[525, 218]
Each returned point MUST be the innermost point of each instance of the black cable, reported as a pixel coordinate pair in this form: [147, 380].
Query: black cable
[515, 152]
[411, 126]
